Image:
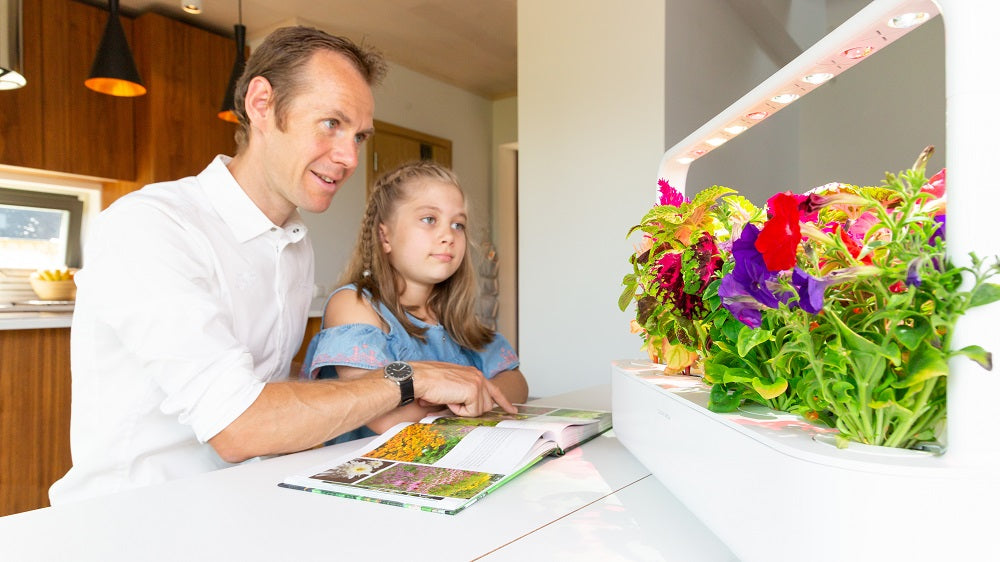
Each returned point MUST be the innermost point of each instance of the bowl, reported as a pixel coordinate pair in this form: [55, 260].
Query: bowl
[54, 290]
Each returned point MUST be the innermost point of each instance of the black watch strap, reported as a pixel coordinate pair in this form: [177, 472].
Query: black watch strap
[406, 391]
[401, 373]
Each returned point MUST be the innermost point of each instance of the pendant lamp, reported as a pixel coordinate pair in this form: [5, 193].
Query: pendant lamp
[114, 71]
[228, 111]
[11, 61]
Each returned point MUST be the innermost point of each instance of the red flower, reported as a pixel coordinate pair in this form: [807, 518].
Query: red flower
[935, 185]
[853, 246]
[779, 240]
[898, 287]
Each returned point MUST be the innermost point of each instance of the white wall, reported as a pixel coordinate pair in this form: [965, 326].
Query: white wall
[590, 134]
[412, 100]
[603, 90]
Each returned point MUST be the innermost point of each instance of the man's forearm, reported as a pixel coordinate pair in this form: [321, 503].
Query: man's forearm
[292, 416]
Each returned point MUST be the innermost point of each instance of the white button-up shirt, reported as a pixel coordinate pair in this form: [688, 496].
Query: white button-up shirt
[189, 301]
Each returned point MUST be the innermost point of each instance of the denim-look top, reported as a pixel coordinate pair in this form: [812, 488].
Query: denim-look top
[368, 347]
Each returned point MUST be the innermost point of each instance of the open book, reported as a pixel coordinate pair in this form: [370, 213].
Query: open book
[445, 464]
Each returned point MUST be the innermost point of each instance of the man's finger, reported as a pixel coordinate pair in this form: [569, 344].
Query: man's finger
[500, 399]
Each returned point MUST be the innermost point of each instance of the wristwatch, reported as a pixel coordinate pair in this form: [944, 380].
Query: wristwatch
[401, 373]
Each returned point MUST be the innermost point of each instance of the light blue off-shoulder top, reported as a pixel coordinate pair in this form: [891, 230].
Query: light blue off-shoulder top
[368, 347]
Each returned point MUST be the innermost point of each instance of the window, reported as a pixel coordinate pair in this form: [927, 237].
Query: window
[39, 230]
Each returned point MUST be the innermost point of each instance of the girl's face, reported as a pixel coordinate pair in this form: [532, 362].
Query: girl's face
[425, 236]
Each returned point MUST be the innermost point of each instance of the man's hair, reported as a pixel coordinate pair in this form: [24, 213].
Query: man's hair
[453, 300]
[280, 59]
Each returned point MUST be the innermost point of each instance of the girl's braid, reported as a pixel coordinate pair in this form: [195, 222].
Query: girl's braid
[368, 227]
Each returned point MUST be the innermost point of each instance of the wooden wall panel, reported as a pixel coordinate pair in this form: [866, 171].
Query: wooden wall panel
[187, 69]
[21, 116]
[84, 132]
[35, 394]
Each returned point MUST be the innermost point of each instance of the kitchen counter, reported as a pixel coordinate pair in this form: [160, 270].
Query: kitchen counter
[33, 317]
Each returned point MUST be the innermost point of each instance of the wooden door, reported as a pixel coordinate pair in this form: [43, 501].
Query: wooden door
[392, 145]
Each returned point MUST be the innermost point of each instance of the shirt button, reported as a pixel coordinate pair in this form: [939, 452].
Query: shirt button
[274, 229]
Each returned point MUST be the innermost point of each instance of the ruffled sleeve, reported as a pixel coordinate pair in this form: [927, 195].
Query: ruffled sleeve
[352, 345]
[498, 356]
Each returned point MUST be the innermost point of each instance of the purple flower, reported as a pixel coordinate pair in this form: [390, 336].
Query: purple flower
[746, 291]
[939, 233]
[810, 290]
[739, 303]
[913, 273]
[751, 272]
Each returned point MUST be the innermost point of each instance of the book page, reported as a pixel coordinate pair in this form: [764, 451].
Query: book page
[447, 465]
[493, 449]
[564, 426]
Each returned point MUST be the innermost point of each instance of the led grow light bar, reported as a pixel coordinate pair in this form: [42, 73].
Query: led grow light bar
[872, 29]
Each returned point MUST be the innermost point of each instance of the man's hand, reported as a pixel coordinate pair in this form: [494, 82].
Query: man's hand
[463, 390]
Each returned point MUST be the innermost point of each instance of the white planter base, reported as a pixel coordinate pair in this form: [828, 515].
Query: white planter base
[774, 487]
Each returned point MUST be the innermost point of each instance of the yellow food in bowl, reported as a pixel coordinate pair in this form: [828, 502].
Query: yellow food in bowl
[54, 284]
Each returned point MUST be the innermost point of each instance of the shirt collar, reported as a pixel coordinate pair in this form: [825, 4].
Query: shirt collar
[236, 208]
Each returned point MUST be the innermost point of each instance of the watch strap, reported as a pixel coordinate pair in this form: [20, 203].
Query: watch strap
[406, 391]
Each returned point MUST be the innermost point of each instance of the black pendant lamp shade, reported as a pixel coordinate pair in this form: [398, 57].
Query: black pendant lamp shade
[114, 70]
[228, 111]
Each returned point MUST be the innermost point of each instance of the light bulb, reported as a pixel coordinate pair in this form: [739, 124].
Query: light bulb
[911, 19]
[817, 77]
[785, 98]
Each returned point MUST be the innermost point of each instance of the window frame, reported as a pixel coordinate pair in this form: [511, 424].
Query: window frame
[56, 201]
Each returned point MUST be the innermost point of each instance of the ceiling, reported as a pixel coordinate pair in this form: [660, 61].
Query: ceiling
[471, 44]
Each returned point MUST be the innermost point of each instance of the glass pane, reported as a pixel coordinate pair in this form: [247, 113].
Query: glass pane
[32, 237]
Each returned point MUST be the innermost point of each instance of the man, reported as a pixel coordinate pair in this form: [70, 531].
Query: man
[195, 293]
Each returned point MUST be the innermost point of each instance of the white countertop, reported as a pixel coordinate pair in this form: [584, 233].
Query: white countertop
[596, 502]
[21, 317]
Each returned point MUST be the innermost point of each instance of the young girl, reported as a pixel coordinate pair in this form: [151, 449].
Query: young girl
[409, 294]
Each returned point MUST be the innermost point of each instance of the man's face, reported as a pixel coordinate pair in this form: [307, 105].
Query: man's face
[325, 123]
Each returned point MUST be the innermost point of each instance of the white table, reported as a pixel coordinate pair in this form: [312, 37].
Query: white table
[596, 502]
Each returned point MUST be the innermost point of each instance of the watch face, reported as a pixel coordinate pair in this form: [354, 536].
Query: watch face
[398, 371]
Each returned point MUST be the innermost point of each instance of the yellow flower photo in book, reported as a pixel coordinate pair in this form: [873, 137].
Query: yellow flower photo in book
[420, 443]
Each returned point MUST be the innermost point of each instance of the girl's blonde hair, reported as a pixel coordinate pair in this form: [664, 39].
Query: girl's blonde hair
[453, 301]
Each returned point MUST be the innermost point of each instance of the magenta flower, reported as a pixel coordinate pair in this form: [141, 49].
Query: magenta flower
[670, 196]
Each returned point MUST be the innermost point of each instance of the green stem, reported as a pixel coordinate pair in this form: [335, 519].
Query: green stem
[902, 432]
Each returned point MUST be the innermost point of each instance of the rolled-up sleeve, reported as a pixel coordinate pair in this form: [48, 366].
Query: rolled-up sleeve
[189, 349]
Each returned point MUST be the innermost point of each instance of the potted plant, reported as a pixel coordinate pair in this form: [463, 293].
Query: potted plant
[837, 304]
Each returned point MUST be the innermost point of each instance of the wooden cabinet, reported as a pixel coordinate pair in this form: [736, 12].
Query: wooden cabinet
[186, 70]
[21, 109]
[84, 132]
[35, 393]
[177, 130]
[55, 122]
